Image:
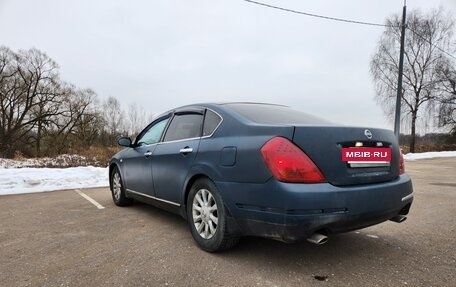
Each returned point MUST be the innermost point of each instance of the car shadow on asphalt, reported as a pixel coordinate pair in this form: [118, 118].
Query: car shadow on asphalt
[164, 216]
[345, 245]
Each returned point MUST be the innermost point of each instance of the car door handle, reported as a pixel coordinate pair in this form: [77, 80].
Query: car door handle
[147, 153]
[186, 150]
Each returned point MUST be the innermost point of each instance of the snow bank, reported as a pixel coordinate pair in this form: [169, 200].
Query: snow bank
[426, 155]
[27, 180]
[63, 160]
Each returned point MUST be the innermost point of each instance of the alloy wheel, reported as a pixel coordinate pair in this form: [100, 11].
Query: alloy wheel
[204, 213]
[116, 185]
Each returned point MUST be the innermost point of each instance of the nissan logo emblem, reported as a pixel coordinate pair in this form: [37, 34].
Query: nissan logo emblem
[368, 134]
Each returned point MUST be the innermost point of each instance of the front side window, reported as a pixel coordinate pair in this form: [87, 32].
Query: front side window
[184, 126]
[153, 134]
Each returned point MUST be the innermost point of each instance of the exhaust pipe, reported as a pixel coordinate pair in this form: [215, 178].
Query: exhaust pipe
[318, 238]
[399, 218]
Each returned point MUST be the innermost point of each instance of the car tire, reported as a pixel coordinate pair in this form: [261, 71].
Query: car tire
[118, 189]
[206, 216]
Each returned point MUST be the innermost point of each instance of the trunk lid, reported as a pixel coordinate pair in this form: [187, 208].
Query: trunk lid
[323, 144]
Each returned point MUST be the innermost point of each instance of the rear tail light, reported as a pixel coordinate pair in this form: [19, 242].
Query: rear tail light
[401, 162]
[289, 163]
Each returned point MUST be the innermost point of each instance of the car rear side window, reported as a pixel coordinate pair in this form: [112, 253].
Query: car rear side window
[211, 122]
[184, 126]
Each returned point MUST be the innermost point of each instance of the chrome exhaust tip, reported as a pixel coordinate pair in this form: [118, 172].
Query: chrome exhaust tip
[318, 238]
[399, 218]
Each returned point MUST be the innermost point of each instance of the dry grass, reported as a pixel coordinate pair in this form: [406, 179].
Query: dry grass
[94, 156]
[100, 156]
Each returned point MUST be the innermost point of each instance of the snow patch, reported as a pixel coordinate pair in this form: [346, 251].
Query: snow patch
[427, 155]
[27, 180]
[63, 160]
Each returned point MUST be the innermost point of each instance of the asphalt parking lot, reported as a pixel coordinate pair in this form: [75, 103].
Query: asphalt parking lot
[61, 239]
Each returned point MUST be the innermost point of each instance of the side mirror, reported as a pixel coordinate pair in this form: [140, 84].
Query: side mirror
[124, 141]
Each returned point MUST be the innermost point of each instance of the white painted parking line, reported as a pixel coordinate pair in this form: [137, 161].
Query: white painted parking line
[99, 206]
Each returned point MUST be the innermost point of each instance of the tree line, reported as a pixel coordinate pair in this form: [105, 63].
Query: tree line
[42, 115]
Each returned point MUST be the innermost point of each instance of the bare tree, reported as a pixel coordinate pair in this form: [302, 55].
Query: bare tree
[89, 123]
[41, 114]
[421, 86]
[79, 122]
[447, 100]
[38, 109]
[113, 118]
[136, 119]
[28, 95]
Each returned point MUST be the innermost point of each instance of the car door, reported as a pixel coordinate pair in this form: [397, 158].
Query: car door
[174, 156]
[137, 163]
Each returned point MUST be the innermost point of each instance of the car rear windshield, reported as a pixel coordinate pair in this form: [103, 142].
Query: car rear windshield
[274, 114]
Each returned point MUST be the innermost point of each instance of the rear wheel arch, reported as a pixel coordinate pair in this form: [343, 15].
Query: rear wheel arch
[196, 172]
[188, 186]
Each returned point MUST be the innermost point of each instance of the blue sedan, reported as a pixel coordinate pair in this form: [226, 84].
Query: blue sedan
[252, 169]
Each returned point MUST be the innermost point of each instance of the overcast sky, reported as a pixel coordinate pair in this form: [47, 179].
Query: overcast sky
[166, 53]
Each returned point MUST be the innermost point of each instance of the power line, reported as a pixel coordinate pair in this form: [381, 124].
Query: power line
[348, 21]
[430, 43]
[319, 16]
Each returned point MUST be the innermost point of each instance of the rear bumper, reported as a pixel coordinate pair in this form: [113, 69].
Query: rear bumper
[293, 212]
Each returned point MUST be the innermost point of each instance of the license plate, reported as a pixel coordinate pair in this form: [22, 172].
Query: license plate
[366, 155]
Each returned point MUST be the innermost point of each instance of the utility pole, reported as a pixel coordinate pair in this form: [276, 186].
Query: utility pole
[397, 118]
